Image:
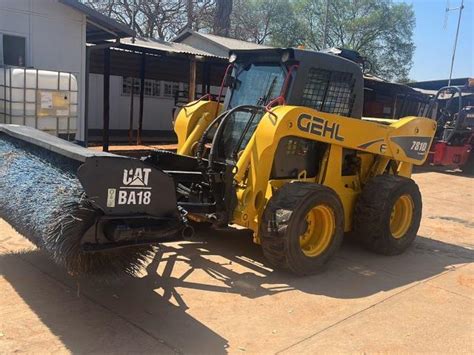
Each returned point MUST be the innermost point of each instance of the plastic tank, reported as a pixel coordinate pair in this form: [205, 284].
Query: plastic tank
[43, 99]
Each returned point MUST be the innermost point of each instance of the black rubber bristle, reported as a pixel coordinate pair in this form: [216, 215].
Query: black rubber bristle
[41, 197]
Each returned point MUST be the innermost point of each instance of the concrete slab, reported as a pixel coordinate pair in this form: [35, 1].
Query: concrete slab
[217, 295]
[414, 321]
[41, 315]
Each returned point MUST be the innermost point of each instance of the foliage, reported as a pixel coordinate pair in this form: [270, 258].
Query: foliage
[265, 22]
[161, 19]
[380, 30]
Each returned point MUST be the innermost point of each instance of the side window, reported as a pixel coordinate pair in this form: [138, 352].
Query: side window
[127, 83]
[329, 91]
[152, 88]
[14, 50]
[171, 88]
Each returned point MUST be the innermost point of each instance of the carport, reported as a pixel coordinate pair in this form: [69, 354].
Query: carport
[151, 59]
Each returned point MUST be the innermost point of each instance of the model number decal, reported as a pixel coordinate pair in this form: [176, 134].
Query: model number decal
[414, 147]
[135, 189]
[134, 197]
[419, 146]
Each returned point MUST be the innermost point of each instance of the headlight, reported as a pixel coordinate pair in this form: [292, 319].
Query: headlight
[232, 58]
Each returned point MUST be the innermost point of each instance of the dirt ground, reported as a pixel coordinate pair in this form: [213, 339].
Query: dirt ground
[217, 295]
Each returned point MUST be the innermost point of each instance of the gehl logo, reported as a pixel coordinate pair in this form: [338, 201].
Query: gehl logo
[319, 127]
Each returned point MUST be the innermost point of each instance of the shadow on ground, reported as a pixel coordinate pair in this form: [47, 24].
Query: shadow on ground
[223, 262]
[243, 270]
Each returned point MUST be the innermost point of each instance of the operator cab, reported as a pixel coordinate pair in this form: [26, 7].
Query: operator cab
[323, 81]
[268, 77]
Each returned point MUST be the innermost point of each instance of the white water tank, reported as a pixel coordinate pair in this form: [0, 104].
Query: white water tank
[43, 99]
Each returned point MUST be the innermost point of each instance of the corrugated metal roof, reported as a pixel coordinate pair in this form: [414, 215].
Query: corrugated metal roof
[166, 46]
[438, 84]
[225, 42]
[232, 43]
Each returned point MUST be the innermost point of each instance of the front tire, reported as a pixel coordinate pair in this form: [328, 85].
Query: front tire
[388, 214]
[302, 227]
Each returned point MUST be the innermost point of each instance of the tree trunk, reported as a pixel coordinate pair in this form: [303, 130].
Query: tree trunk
[190, 14]
[222, 17]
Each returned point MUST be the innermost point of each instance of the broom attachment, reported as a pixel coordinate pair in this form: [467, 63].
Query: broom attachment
[93, 213]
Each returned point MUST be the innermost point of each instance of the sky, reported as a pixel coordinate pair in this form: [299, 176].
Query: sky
[434, 43]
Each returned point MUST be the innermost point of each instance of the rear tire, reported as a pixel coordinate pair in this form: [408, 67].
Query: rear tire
[388, 214]
[302, 227]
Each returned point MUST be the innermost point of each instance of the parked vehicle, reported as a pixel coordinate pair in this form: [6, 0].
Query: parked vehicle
[453, 110]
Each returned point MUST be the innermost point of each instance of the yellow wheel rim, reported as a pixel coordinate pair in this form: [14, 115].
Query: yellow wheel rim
[401, 216]
[321, 224]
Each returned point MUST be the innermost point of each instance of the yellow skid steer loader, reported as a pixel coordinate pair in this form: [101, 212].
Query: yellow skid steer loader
[286, 154]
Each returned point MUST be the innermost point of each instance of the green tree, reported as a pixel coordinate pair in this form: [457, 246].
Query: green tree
[265, 22]
[379, 30]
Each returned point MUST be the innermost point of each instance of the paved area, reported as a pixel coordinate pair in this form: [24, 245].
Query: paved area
[217, 295]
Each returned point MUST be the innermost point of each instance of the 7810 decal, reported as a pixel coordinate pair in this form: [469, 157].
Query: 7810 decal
[419, 146]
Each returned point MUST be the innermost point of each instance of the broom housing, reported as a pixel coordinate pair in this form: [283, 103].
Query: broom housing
[94, 213]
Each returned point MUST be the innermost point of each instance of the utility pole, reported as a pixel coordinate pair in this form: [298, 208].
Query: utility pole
[326, 19]
[460, 8]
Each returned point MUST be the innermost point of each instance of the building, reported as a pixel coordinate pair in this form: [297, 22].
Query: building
[173, 74]
[217, 45]
[52, 35]
[385, 99]
[435, 85]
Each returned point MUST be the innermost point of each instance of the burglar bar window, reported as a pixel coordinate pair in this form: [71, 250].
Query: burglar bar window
[171, 88]
[152, 87]
[329, 91]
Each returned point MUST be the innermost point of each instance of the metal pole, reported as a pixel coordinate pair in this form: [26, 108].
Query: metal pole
[142, 95]
[105, 135]
[57, 117]
[36, 97]
[86, 98]
[24, 96]
[130, 125]
[455, 42]
[69, 109]
[86, 103]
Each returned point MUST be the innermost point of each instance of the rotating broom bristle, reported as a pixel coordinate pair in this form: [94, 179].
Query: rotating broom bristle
[41, 197]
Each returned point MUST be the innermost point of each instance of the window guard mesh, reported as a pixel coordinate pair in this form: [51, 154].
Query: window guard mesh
[329, 91]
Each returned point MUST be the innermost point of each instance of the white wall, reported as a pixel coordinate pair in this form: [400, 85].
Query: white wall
[55, 38]
[156, 110]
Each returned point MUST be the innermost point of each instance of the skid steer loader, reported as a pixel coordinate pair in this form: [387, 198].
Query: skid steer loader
[287, 155]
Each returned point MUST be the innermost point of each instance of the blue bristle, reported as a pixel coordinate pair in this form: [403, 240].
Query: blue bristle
[41, 197]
